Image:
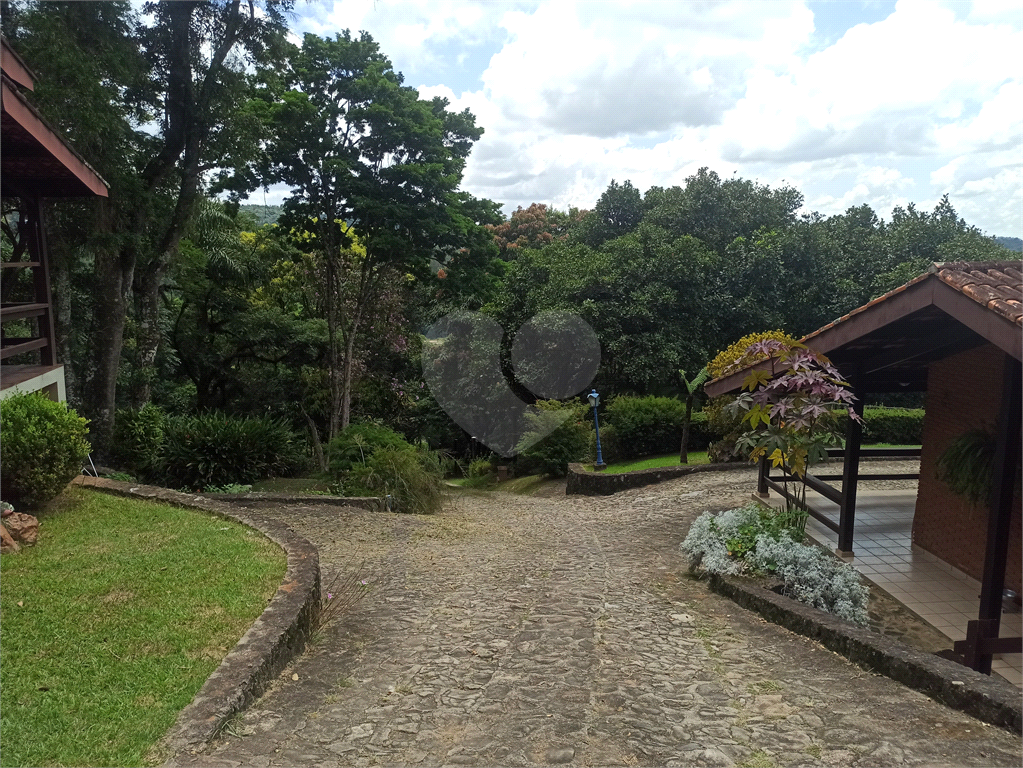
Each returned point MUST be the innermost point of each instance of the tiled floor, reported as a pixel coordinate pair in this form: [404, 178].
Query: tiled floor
[941, 595]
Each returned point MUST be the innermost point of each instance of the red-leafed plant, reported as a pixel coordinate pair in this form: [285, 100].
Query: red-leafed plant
[792, 410]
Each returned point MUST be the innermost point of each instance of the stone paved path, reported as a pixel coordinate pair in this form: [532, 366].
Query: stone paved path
[515, 630]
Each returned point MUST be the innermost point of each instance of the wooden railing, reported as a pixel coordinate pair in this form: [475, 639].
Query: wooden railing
[766, 481]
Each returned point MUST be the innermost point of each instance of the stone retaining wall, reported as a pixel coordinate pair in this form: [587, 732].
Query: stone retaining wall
[370, 503]
[278, 635]
[985, 697]
[586, 483]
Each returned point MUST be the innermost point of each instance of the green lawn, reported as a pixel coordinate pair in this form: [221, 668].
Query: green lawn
[114, 620]
[695, 457]
[650, 462]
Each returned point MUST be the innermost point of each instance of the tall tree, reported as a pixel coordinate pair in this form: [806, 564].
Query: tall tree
[154, 106]
[364, 155]
[717, 211]
[618, 211]
[94, 85]
[198, 52]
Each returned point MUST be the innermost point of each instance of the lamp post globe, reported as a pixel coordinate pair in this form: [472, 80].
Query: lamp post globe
[594, 400]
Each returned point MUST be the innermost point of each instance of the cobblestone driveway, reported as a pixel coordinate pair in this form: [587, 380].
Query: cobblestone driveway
[514, 630]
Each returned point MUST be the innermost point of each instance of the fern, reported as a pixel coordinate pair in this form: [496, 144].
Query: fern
[967, 465]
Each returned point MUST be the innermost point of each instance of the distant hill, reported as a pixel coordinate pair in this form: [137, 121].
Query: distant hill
[1012, 243]
[263, 214]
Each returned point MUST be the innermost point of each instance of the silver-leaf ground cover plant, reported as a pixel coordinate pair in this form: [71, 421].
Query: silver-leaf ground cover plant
[747, 541]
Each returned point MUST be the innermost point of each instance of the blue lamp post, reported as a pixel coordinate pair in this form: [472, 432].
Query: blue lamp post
[594, 399]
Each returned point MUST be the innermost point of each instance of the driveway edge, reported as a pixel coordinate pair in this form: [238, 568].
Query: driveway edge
[986, 698]
[277, 636]
[583, 483]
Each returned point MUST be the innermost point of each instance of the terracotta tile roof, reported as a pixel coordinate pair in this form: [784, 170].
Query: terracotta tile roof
[997, 285]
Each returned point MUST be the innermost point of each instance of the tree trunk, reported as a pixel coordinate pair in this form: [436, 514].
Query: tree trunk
[150, 279]
[60, 275]
[114, 269]
[346, 398]
[314, 435]
[335, 374]
[683, 457]
[147, 335]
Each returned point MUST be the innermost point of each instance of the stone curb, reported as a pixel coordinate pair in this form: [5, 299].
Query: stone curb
[277, 636]
[583, 483]
[987, 698]
[369, 503]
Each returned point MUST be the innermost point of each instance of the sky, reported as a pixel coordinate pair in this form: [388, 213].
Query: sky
[883, 103]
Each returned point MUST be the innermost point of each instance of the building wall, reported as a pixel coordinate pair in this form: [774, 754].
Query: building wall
[964, 392]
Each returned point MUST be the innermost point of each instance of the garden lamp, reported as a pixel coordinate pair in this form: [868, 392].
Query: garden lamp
[594, 400]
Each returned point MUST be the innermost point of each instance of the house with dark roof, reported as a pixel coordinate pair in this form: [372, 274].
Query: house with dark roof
[36, 163]
[956, 333]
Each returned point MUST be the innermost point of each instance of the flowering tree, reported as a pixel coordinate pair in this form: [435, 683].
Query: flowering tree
[792, 408]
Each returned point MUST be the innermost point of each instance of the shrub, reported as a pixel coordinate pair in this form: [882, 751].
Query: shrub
[564, 438]
[218, 450]
[646, 426]
[610, 445]
[357, 443]
[899, 426]
[720, 421]
[724, 428]
[812, 576]
[138, 438]
[480, 467]
[738, 355]
[752, 539]
[43, 446]
[411, 477]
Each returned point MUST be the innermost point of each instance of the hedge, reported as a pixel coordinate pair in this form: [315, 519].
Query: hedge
[651, 425]
[899, 426]
[648, 426]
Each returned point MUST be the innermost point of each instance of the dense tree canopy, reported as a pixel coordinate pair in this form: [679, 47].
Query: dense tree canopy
[166, 293]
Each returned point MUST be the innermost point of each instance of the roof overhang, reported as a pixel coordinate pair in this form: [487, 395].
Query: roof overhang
[888, 344]
[15, 67]
[34, 159]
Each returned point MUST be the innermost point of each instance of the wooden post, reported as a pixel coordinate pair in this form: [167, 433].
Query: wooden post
[850, 476]
[1007, 455]
[762, 471]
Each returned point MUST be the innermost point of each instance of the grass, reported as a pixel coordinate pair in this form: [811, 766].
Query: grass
[695, 457]
[115, 619]
[525, 485]
[651, 462]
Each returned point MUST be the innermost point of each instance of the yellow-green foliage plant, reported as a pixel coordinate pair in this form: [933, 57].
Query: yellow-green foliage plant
[725, 426]
[738, 354]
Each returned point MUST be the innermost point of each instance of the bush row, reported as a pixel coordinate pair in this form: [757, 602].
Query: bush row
[642, 426]
[216, 450]
[632, 427]
[200, 452]
[900, 426]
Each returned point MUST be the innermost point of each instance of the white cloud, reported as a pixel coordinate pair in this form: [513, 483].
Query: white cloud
[573, 94]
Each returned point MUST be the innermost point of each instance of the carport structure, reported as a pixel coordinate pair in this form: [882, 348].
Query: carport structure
[955, 333]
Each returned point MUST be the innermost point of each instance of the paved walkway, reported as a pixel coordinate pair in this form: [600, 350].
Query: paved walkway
[529, 631]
